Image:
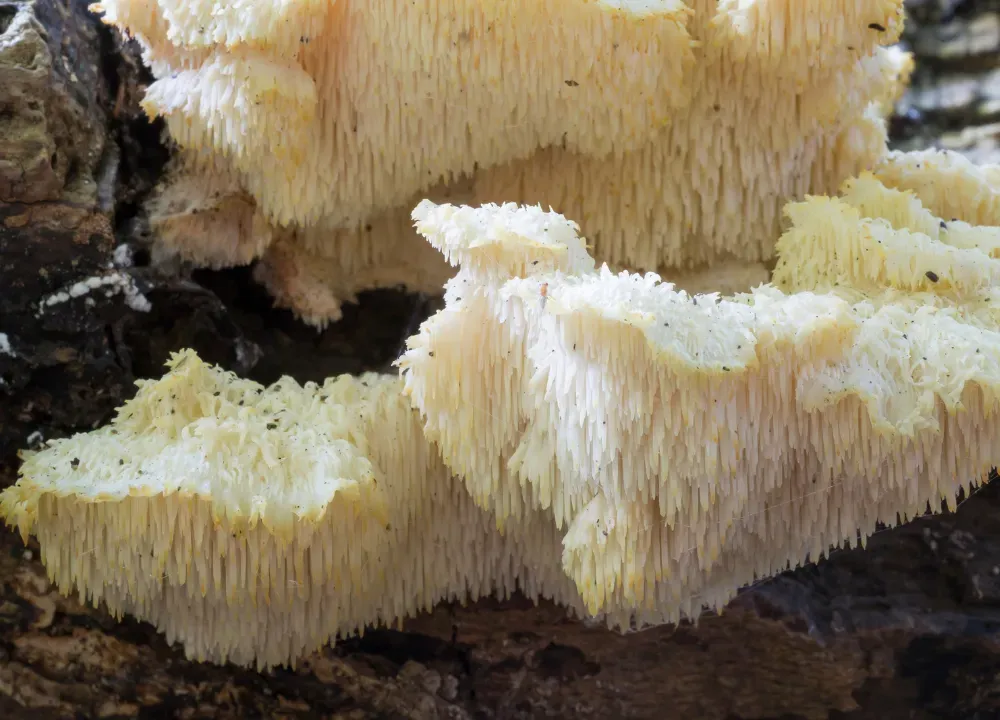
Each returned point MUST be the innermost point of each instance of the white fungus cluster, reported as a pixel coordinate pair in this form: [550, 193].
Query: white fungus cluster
[673, 131]
[254, 524]
[293, 95]
[948, 183]
[688, 444]
[598, 438]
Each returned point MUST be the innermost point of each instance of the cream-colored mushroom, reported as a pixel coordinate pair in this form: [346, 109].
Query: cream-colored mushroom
[255, 524]
[189, 207]
[334, 111]
[690, 444]
[620, 446]
[674, 133]
[948, 183]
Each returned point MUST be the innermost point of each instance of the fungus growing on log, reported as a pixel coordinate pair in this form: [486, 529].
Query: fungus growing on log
[192, 206]
[253, 525]
[689, 444]
[948, 184]
[283, 92]
[601, 439]
[674, 132]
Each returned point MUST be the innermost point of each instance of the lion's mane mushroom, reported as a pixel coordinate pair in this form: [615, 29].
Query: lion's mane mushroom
[688, 444]
[673, 131]
[293, 95]
[192, 206]
[255, 524]
[948, 183]
[643, 452]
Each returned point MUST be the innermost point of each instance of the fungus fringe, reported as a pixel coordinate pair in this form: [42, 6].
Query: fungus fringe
[673, 132]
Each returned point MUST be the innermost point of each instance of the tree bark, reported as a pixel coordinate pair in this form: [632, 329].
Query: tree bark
[909, 628]
[954, 98]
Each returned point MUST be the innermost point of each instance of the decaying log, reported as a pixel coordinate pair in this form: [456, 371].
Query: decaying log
[75, 153]
[909, 628]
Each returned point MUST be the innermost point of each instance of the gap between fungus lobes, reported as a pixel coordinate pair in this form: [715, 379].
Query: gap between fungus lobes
[598, 438]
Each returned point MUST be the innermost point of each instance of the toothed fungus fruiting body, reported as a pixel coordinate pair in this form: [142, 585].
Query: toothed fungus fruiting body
[947, 183]
[598, 438]
[189, 207]
[298, 107]
[690, 444]
[876, 238]
[256, 524]
[673, 132]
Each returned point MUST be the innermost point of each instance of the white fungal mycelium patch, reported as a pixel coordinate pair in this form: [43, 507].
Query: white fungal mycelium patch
[122, 256]
[110, 284]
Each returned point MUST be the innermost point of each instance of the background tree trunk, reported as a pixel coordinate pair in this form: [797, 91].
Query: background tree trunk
[909, 628]
[954, 98]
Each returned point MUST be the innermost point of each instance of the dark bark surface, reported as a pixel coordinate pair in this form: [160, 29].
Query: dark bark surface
[56, 175]
[909, 628]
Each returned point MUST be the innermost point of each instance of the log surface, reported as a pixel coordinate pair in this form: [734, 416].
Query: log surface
[909, 628]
